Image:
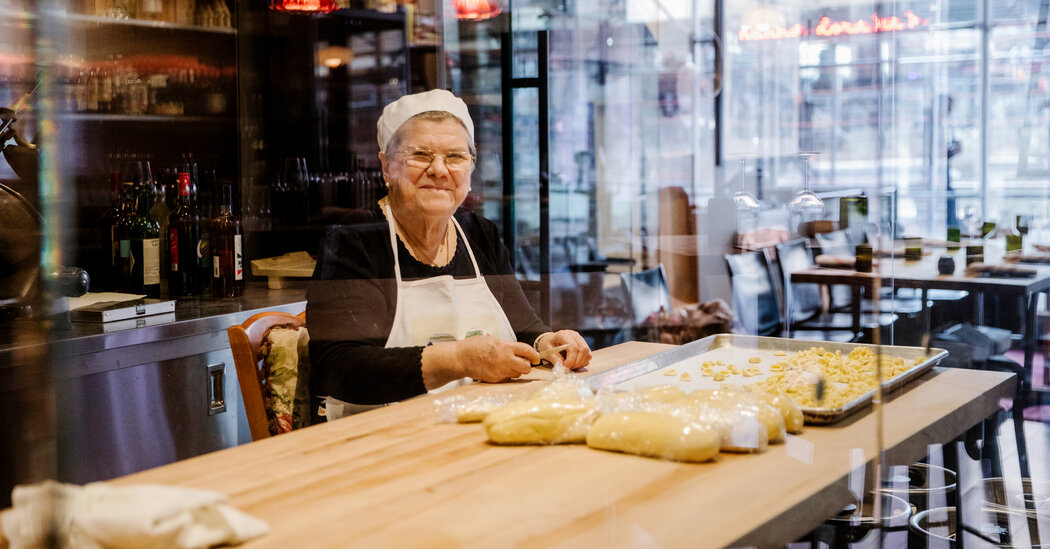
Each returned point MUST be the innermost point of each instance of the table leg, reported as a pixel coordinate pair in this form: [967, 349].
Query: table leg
[1030, 322]
[856, 289]
[961, 504]
[978, 308]
[926, 328]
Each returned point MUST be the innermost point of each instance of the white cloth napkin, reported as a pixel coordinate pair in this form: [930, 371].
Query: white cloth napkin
[101, 516]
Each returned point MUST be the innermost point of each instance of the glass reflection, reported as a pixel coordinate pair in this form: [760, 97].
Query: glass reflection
[806, 207]
[747, 206]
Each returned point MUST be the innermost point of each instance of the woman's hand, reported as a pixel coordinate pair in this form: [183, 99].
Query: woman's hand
[576, 356]
[484, 358]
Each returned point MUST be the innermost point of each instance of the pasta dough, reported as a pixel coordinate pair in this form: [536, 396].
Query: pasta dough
[662, 393]
[655, 435]
[461, 409]
[747, 404]
[541, 422]
[477, 410]
[788, 408]
[738, 431]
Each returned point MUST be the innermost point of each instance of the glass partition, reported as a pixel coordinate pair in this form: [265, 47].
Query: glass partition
[660, 171]
[629, 88]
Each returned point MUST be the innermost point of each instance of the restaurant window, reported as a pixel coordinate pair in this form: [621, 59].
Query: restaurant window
[891, 96]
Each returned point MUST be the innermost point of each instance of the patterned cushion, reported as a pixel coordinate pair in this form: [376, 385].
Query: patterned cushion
[286, 371]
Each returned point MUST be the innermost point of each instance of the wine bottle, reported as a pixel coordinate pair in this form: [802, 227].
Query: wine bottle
[1014, 238]
[184, 244]
[105, 89]
[226, 245]
[122, 234]
[170, 178]
[159, 210]
[110, 223]
[91, 103]
[145, 246]
[196, 188]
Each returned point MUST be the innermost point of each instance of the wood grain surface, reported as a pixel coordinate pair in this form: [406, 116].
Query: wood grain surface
[397, 477]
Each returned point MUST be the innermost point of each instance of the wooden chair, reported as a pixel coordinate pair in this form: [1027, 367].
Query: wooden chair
[244, 342]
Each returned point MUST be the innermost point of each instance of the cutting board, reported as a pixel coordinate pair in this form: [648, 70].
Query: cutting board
[278, 270]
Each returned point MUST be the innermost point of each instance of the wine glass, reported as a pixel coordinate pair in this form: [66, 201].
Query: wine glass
[971, 222]
[806, 206]
[747, 206]
[1039, 227]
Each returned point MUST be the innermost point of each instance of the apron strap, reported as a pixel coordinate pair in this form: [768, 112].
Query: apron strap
[473, 261]
[393, 241]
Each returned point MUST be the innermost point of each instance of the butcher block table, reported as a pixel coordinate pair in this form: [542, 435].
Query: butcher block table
[397, 477]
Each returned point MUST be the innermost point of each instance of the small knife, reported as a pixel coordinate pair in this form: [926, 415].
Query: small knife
[551, 352]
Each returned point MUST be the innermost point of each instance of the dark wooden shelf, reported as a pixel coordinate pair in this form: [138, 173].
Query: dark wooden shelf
[99, 117]
[142, 23]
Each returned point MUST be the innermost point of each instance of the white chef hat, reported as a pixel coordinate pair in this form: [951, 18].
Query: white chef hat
[397, 113]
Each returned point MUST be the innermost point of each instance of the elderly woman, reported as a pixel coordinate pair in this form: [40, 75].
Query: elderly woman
[416, 294]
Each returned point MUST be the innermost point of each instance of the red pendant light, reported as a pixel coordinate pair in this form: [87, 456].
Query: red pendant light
[476, 10]
[304, 6]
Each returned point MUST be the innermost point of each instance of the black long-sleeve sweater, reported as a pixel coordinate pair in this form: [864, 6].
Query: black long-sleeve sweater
[353, 296]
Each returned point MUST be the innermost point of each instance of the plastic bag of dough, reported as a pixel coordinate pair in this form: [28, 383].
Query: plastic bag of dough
[637, 399]
[748, 403]
[462, 409]
[610, 400]
[787, 406]
[607, 401]
[563, 389]
[541, 422]
[654, 434]
[739, 429]
[662, 393]
[564, 386]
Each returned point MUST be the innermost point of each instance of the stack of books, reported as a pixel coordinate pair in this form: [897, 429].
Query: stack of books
[121, 311]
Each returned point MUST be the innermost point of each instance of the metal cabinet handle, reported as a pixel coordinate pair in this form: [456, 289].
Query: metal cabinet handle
[216, 388]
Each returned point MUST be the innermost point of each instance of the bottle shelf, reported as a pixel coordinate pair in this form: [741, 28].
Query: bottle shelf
[99, 117]
[85, 20]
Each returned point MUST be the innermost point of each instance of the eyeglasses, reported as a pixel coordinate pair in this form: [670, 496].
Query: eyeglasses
[455, 161]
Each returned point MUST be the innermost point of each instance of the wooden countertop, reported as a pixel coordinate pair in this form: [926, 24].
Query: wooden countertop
[396, 477]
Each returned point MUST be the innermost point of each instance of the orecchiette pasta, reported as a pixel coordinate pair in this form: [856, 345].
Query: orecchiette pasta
[845, 377]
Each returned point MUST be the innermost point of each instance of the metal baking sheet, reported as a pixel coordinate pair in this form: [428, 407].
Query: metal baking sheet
[738, 349]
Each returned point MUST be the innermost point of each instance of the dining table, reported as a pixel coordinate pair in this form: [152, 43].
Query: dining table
[400, 476]
[922, 274]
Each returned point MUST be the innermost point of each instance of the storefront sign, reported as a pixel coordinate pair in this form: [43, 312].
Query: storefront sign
[304, 6]
[827, 27]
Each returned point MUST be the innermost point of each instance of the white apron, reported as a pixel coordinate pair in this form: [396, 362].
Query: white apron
[436, 308]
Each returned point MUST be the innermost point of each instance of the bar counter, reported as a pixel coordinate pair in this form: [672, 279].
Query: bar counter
[397, 477]
[126, 400]
[194, 316]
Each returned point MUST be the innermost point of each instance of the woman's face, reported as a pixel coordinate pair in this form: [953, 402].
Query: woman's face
[432, 190]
